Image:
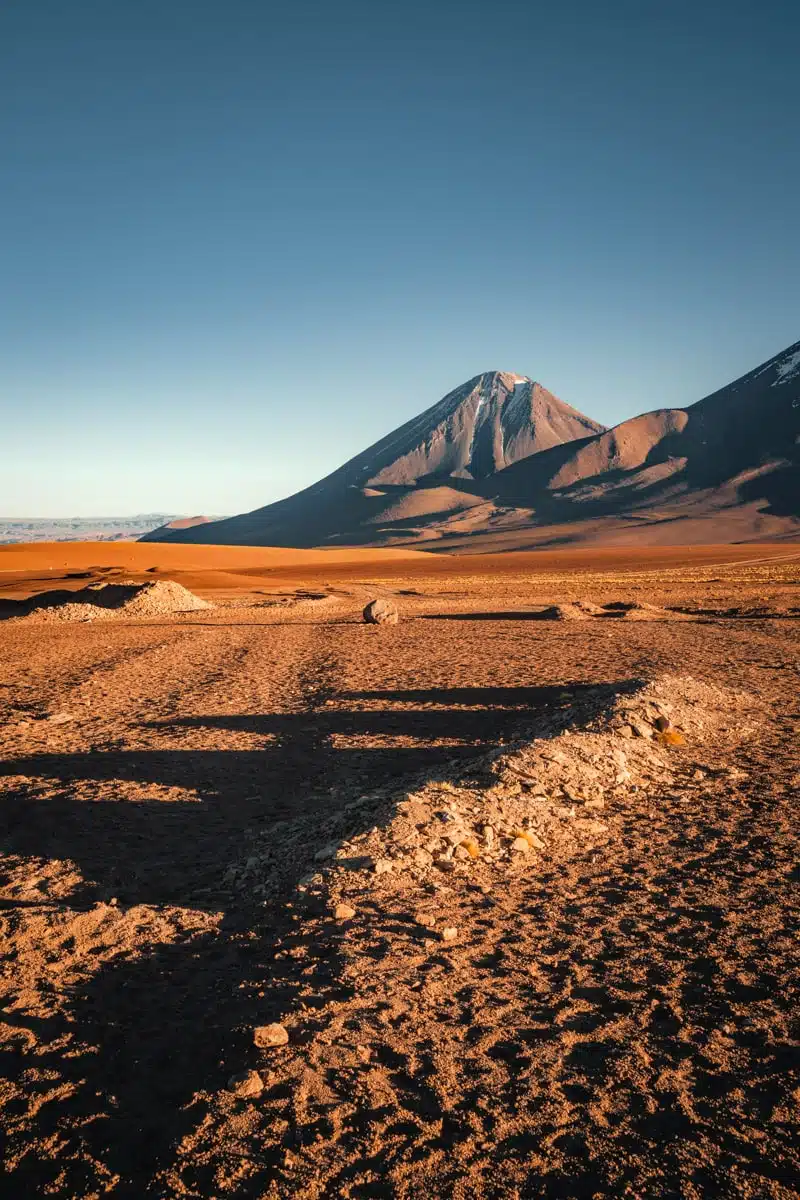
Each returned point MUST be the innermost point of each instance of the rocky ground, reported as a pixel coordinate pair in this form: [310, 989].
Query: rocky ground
[517, 887]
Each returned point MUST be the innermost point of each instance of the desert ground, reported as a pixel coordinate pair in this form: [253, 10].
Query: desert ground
[515, 877]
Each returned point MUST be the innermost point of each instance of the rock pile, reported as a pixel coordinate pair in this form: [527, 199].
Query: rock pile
[550, 795]
[114, 601]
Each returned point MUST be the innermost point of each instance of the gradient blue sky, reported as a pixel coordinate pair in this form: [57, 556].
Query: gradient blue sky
[241, 239]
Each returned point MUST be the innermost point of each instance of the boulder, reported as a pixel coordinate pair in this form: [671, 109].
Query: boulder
[381, 612]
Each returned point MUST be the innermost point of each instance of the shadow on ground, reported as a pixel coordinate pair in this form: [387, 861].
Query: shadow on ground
[144, 1035]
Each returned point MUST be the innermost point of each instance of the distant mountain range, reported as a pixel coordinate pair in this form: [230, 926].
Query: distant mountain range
[501, 463]
[14, 530]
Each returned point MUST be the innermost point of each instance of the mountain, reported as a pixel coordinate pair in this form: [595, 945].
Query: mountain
[163, 532]
[433, 465]
[730, 462]
[23, 530]
[500, 463]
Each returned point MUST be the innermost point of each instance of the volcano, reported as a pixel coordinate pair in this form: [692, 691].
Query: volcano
[501, 463]
[433, 466]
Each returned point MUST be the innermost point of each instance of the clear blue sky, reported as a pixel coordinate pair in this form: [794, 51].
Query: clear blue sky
[243, 239]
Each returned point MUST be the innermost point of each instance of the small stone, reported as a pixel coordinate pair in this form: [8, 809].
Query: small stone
[326, 853]
[488, 836]
[597, 804]
[422, 858]
[60, 718]
[461, 854]
[661, 723]
[671, 737]
[449, 933]
[268, 1036]
[382, 866]
[381, 612]
[521, 845]
[641, 730]
[343, 912]
[246, 1085]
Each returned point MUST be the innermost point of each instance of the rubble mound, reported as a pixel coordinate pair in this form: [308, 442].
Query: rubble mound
[638, 610]
[113, 601]
[553, 793]
[567, 612]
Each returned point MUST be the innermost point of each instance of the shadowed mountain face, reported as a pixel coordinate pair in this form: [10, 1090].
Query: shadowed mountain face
[500, 463]
[488, 423]
[738, 445]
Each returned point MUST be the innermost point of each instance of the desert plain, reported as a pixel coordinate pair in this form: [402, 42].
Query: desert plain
[517, 876]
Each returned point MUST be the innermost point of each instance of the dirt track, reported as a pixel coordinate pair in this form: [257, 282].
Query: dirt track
[622, 1023]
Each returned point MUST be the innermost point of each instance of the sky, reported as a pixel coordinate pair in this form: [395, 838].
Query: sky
[242, 240]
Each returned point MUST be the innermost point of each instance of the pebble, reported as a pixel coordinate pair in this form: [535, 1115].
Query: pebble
[449, 933]
[521, 844]
[382, 866]
[246, 1084]
[343, 912]
[267, 1036]
[326, 853]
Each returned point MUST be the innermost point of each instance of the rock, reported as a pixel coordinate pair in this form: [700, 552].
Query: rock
[661, 723]
[461, 854]
[382, 866]
[641, 730]
[488, 836]
[381, 612]
[246, 1085]
[521, 845]
[326, 853]
[449, 933]
[527, 835]
[268, 1036]
[60, 718]
[671, 737]
[422, 858]
[343, 912]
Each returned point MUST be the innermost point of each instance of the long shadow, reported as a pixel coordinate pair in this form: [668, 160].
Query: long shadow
[508, 615]
[146, 1034]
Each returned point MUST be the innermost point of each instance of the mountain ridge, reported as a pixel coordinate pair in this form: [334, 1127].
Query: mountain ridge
[501, 458]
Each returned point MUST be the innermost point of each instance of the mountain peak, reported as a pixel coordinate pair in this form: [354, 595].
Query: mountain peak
[482, 426]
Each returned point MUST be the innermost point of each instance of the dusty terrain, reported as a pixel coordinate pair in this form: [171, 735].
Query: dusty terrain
[186, 799]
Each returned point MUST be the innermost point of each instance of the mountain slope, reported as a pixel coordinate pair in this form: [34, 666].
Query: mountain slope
[739, 445]
[488, 423]
[500, 463]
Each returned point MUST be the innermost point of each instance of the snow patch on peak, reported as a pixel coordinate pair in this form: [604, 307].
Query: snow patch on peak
[786, 370]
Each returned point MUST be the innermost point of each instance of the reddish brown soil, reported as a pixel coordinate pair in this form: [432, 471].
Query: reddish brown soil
[621, 1022]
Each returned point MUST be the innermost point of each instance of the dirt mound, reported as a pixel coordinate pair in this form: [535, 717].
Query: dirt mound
[549, 792]
[566, 612]
[113, 601]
